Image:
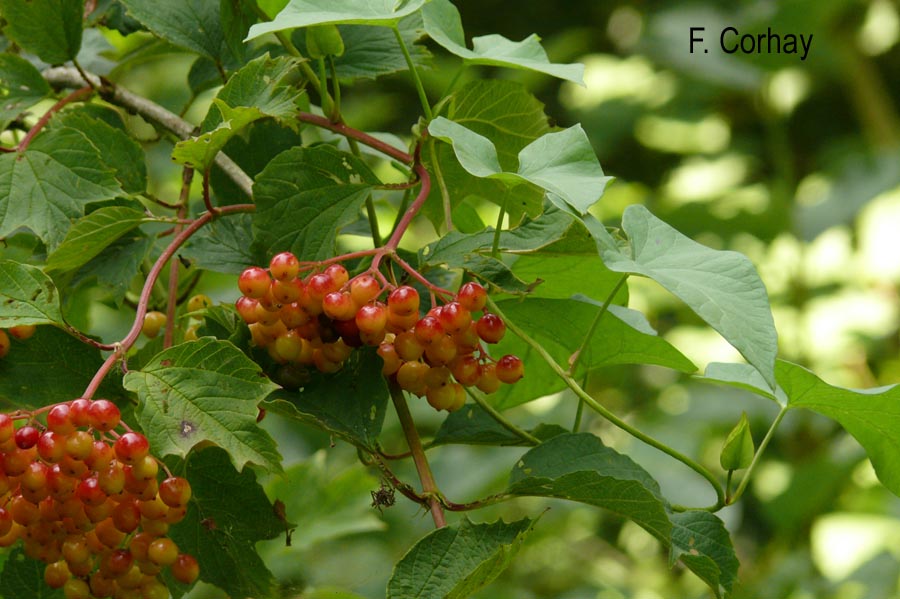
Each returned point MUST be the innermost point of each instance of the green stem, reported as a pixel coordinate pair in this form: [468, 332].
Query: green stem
[579, 411]
[756, 456]
[612, 418]
[429, 487]
[336, 86]
[426, 107]
[576, 357]
[495, 246]
[501, 419]
[442, 185]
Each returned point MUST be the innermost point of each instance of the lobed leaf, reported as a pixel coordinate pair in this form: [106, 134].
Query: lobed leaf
[204, 391]
[21, 86]
[47, 186]
[304, 197]
[21, 576]
[27, 296]
[721, 287]
[223, 245]
[49, 28]
[200, 152]
[454, 562]
[350, 404]
[444, 26]
[90, 235]
[227, 515]
[195, 25]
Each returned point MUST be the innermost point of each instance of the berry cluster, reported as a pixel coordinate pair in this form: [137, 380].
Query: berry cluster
[319, 319]
[19, 332]
[88, 502]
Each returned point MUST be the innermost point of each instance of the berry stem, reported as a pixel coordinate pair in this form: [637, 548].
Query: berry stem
[78, 94]
[429, 487]
[187, 176]
[420, 89]
[421, 279]
[576, 357]
[612, 418]
[414, 208]
[123, 346]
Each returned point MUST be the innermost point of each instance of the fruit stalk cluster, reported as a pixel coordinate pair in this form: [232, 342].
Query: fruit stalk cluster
[318, 319]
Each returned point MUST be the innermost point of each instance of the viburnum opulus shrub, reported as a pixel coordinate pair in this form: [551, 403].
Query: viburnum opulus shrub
[130, 464]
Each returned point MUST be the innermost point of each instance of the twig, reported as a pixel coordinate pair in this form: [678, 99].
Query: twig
[70, 77]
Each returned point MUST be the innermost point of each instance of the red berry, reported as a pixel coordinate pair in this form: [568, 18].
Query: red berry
[185, 568]
[490, 328]
[51, 447]
[472, 296]
[488, 381]
[254, 282]
[90, 492]
[79, 445]
[371, 318]
[286, 292]
[104, 415]
[465, 369]
[22, 331]
[4, 344]
[454, 317]
[338, 274]
[175, 491]
[408, 346]
[338, 305]
[284, 266]
[246, 308]
[318, 287]
[510, 369]
[364, 289]
[59, 419]
[131, 447]
[403, 301]
[429, 329]
[78, 412]
[7, 428]
[392, 361]
[27, 437]
[162, 552]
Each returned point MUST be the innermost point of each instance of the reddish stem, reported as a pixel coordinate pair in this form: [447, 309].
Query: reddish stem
[42, 122]
[123, 346]
[356, 134]
[187, 176]
[414, 208]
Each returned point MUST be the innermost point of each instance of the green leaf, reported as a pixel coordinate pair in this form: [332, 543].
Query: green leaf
[199, 152]
[21, 86]
[350, 404]
[227, 515]
[303, 13]
[443, 25]
[49, 28]
[223, 245]
[622, 337]
[92, 234]
[471, 425]
[331, 505]
[511, 117]
[742, 376]
[118, 150]
[223, 322]
[265, 85]
[304, 197]
[721, 287]
[701, 541]
[455, 561]
[191, 24]
[24, 577]
[117, 266]
[204, 390]
[737, 451]
[46, 187]
[870, 415]
[27, 296]
[50, 367]
[371, 52]
[562, 163]
[579, 467]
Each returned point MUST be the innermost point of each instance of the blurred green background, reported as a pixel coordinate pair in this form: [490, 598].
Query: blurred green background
[794, 163]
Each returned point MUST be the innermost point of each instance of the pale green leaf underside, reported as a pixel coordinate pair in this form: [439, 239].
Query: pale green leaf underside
[27, 296]
[92, 234]
[205, 390]
[21, 86]
[561, 162]
[443, 25]
[722, 287]
[454, 562]
[200, 152]
[303, 13]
